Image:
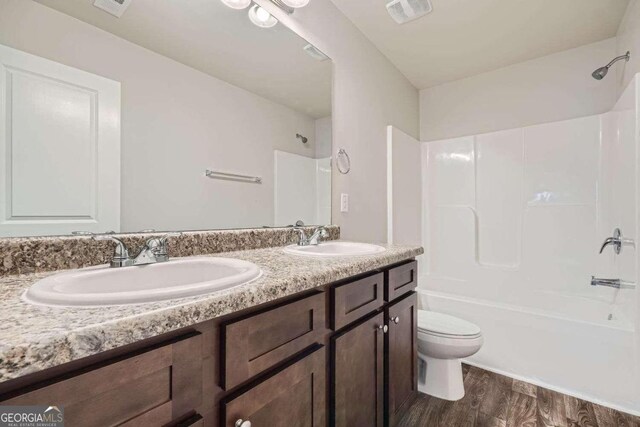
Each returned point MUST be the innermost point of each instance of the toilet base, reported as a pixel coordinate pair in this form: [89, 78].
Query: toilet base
[440, 378]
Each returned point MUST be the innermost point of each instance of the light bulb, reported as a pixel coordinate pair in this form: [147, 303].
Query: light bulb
[261, 17]
[296, 3]
[237, 4]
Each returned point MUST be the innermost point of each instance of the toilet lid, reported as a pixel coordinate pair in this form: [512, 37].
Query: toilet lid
[443, 324]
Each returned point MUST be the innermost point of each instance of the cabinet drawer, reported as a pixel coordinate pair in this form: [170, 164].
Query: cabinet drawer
[354, 300]
[401, 280]
[294, 396]
[253, 344]
[157, 416]
[194, 421]
[151, 387]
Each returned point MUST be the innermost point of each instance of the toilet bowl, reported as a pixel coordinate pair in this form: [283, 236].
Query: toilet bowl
[444, 340]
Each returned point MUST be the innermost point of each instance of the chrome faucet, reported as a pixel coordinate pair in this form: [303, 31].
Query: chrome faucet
[121, 257]
[153, 251]
[617, 241]
[318, 234]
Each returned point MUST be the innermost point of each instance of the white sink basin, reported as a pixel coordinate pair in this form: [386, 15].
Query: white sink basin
[99, 286]
[335, 248]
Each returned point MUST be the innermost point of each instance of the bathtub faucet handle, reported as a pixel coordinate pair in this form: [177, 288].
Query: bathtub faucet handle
[617, 241]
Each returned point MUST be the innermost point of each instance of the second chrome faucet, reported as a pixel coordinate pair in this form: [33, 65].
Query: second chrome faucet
[318, 234]
[154, 250]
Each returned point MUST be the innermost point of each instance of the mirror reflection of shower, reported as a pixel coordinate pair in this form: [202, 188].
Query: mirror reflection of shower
[601, 72]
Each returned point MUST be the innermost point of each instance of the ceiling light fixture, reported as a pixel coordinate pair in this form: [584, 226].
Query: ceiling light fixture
[237, 4]
[114, 7]
[261, 17]
[296, 3]
[315, 53]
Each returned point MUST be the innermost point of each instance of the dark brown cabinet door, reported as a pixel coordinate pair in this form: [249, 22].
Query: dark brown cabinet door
[402, 356]
[148, 388]
[294, 396]
[358, 375]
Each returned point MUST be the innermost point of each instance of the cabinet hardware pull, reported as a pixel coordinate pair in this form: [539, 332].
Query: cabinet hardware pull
[395, 320]
[383, 328]
[242, 423]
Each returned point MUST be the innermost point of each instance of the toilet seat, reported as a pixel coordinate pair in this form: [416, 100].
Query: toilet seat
[446, 326]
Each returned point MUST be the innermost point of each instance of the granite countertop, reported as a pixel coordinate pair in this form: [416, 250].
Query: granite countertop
[33, 338]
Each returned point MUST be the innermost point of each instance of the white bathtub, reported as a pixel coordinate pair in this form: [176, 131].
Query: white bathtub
[569, 346]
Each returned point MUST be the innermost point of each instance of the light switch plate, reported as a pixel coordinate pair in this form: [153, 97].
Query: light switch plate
[344, 202]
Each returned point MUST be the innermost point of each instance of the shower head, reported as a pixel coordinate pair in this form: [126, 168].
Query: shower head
[601, 72]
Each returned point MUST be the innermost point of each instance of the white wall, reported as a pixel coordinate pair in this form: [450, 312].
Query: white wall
[369, 94]
[176, 122]
[551, 88]
[404, 188]
[323, 190]
[628, 39]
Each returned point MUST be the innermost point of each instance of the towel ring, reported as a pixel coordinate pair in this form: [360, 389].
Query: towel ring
[343, 162]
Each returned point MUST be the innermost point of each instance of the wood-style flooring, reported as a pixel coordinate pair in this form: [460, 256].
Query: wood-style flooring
[493, 400]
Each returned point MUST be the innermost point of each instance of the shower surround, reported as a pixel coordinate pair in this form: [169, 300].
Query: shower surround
[512, 225]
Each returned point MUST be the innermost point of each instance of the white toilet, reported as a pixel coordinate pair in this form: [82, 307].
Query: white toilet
[443, 341]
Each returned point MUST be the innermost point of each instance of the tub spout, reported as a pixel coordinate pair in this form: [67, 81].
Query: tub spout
[612, 283]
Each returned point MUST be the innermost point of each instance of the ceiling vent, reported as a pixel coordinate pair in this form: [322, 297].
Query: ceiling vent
[403, 11]
[114, 7]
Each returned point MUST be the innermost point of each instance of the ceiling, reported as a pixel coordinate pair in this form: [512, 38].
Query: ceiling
[222, 42]
[461, 38]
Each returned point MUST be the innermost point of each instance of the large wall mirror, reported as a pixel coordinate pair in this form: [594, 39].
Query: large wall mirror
[177, 115]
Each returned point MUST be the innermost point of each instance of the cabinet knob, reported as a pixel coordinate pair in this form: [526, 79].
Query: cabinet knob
[395, 320]
[383, 328]
[243, 423]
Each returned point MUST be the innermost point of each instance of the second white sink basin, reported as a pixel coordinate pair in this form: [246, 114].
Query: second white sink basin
[179, 278]
[335, 248]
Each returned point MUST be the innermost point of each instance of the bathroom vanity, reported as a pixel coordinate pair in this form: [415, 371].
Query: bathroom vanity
[333, 343]
[226, 130]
